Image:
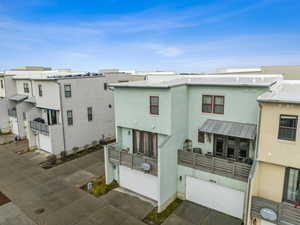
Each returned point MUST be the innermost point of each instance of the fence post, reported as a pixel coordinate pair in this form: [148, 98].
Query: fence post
[132, 161]
[194, 160]
[212, 164]
[233, 169]
[120, 157]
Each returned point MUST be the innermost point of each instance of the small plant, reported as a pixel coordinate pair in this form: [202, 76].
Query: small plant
[158, 218]
[52, 159]
[99, 187]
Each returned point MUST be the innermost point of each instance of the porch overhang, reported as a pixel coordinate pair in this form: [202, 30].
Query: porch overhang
[229, 128]
[18, 98]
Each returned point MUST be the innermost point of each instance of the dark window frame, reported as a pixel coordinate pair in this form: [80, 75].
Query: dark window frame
[237, 150]
[105, 86]
[40, 90]
[70, 118]
[68, 93]
[286, 184]
[214, 104]
[211, 104]
[90, 113]
[282, 127]
[2, 84]
[154, 105]
[26, 87]
[201, 137]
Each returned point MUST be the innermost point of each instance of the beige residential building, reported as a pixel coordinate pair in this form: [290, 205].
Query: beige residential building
[288, 72]
[275, 185]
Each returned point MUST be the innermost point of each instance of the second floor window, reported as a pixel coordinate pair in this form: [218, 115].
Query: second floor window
[2, 84]
[213, 104]
[90, 113]
[26, 87]
[70, 117]
[154, 105]
[287, 127]
[40, 90]
[68, 90]
[292, 186]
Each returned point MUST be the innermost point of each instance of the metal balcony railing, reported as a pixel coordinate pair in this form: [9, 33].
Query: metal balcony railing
[41, 127]
[284, 213]
[223, 167]
[134, 161]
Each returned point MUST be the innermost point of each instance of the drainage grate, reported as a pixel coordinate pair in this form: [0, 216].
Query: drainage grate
[3, 199]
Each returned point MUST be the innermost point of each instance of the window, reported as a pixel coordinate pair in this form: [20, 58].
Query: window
[292, 186]
[70, 117]
[201, 137]
[105, 86]
[213, 104]
[219, 104]
[2, 84]
[90, 113]
[154, 105]
[40, 90]
[207, 103]
[26, 87]
[68, 91]
[287, 127]
[145, 143]
[231, 148]
[52, 117]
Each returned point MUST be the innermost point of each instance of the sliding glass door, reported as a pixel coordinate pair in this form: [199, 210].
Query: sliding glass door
[145, 143]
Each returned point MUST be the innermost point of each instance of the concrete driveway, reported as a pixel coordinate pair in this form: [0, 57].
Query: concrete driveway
[189, 213]
[33, 189]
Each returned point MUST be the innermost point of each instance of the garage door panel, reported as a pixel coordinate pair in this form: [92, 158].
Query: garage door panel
[139, 182]
[45, 143]
[211, 195]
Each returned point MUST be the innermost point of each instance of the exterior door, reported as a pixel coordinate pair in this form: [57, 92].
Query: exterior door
[214, 196]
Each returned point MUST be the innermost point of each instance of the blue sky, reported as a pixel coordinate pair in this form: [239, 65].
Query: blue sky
[177, 35]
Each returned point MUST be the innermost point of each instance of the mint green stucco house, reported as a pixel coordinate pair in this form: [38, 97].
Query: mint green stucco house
[192, 138]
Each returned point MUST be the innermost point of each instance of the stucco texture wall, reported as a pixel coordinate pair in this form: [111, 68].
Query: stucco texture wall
[271, 149]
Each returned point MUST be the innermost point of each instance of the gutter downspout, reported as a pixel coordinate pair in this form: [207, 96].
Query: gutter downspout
[253, 169]
[62, 114]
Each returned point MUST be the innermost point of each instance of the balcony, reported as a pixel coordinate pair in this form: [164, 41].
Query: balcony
[223, 167]
[40, 127]
[282, 213]
[134, 161]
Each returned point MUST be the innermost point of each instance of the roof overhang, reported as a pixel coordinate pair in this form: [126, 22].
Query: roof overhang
[229, 128]
[18, 98]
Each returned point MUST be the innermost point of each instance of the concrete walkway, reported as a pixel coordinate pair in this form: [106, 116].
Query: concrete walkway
[189, 213]
[53, 192]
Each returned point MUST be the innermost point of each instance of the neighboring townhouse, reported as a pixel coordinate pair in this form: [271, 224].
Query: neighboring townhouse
[288, 72]
[192, 138]
[275, 185]
[7, 90]
[69, 112]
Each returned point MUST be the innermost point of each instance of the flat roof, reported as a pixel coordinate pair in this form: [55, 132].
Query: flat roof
[252, 80]
[286, 91]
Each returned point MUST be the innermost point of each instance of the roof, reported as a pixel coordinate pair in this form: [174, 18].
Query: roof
[239, 70]
[18, 98]
[228, 128]
[253, 80]
[286, 91]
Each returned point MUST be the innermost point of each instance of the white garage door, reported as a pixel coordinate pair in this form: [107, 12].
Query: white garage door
[44, 143]
[14, 126]
[214, 196]
[139, 182]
